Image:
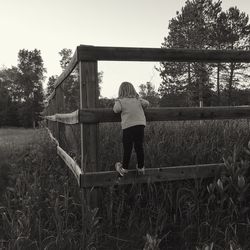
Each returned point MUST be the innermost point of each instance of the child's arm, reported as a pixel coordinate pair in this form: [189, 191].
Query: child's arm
[117, 106]
[144, 103]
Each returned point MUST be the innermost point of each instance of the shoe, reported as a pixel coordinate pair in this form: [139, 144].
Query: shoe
[122, 171]
[141, 171]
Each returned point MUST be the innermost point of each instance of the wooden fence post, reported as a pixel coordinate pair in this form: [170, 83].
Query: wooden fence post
[88, 79]
[47, 114]
[89, 99]
[53, 109]
[60, 127]
[51, 113]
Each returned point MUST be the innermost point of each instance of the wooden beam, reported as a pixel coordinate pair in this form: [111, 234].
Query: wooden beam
[98, 115]
[169, 114]
[50, 118]
[88, 99]
[69, 118]
[51, 96]
[109, 178]
[71, 163]
[72, 64]
[73, 166]
[88, 80]
[52, 137]
[92, 53]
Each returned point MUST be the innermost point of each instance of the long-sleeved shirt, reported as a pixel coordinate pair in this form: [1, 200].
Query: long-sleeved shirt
[131, 109]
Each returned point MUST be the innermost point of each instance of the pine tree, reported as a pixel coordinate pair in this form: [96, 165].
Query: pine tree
[189, 29]
[236, 31]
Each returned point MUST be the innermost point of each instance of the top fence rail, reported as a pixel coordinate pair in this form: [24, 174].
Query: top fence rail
[94, 53]
[100, 53]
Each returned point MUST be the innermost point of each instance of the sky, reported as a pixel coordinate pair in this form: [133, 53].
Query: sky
[51, 25]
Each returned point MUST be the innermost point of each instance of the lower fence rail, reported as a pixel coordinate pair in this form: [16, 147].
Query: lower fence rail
[111, 178]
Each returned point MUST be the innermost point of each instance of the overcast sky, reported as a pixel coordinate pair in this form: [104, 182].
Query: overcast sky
[51, 25]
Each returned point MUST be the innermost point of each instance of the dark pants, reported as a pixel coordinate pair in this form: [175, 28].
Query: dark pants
[133, 137]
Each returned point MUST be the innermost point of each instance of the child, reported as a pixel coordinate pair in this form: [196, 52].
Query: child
[133, 122]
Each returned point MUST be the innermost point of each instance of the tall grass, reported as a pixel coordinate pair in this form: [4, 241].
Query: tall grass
[38, 209]
[40, 206]
[177, 143]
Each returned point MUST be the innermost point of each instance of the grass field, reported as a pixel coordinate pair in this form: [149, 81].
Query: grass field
[14, 141]
[40, 205]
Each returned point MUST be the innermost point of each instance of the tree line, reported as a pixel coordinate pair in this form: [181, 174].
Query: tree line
[22, 97]
[21, 90]
[201, 24]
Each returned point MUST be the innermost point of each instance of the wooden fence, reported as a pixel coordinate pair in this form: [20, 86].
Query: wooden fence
[88, 115]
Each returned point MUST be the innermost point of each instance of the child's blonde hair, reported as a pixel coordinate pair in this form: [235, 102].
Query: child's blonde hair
[127, 90]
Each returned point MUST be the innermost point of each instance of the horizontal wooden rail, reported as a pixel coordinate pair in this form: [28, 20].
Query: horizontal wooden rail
[52, 137]
[109, 178]
[98, 53]
[70, 118]
[51, 96]
[94, 53]
[169, 114]
[102, 115]
[72, 64]
[71, 163]
[51, 118]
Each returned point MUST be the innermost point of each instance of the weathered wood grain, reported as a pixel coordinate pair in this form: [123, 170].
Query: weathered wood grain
[92, 53]
[72, 64]
[100, 115]
[73, 166]
[69, 118]
[110, 178]
[51, 96]
[88, 99]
